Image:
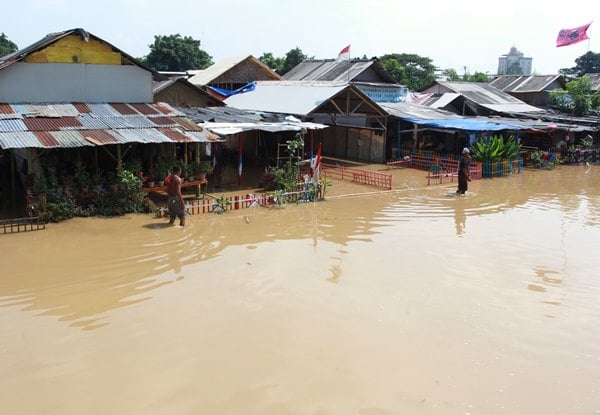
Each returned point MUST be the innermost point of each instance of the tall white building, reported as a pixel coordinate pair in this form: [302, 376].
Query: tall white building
[514, 63]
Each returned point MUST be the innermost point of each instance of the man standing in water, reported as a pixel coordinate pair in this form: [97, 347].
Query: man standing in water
[175, 201]
[463, 171]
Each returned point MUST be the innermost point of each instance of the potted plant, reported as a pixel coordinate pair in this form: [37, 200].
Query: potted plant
[204, 168]
[162, 171]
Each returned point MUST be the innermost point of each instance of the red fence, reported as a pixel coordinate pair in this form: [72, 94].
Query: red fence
[212, 204]
[367, 177]
[441, 168]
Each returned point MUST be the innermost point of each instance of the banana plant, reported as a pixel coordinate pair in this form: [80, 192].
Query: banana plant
[494, 149]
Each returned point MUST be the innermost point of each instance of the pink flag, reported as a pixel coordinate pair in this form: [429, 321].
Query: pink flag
[344, 54]
[568, 37]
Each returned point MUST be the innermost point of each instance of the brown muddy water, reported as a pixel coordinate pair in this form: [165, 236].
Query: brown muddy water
[405, 302]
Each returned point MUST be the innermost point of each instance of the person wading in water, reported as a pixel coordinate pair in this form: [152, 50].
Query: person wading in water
[175, 201]
[463, 171]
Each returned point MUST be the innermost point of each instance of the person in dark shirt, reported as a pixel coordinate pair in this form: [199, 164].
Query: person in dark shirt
[463, 171]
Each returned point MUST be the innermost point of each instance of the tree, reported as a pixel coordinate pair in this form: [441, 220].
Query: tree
[272, 62]
[6, 45]
[451, 74]
[577, 98]
[284, 65]
[292, 58]
[586, 63]
[476, 77]
[176, 53]
[412, 70]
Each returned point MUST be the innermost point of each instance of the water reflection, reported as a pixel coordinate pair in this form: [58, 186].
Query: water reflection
[364, 296]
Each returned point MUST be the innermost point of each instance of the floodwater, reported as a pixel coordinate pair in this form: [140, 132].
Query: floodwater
[413, 301]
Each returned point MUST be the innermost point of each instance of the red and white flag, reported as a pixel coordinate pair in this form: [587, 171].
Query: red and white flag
[344, 54]
[568, 37]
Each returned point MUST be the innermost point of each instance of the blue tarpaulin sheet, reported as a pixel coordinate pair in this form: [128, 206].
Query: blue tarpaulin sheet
[227, 92]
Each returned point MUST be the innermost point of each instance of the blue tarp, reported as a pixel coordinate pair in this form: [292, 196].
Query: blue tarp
[227, 92]
[464, 124]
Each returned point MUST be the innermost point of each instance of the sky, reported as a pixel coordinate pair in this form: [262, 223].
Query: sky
[462, 35]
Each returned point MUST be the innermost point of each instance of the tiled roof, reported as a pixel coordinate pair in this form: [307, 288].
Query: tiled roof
[78, 124]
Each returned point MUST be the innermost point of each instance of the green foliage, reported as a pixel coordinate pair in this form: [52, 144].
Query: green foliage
[220, 204]
[6, 45]
[495, 148]
[577, 99]
[82, 176]
[411, 70]
[205, 167]
[476, 77]
[292, 58]
[40, 185]
[451, 74]
[176, 53]
[272, 62]
[586, 63]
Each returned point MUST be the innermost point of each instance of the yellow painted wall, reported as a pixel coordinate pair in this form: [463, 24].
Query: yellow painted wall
[72, 49]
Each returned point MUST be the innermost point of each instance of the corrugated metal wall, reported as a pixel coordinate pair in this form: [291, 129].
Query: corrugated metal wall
[64, 82]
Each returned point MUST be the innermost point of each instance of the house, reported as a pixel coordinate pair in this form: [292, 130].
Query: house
[473, 98]
[232, 73]
[368, 75]
[74, 99]
[357, 123]
[531, 89]
[179, 92]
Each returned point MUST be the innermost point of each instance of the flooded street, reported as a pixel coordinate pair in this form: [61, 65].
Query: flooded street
[412, 301]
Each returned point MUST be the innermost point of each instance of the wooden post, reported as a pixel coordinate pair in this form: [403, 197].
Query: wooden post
[197, 157]
[240, 158]
[13, 180]
[119, 157]
[398, 152]
[415, 130]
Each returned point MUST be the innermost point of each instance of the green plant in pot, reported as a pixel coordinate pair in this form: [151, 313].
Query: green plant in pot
[204, 168]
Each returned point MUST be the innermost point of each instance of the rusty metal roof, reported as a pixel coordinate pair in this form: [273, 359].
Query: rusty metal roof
[78, 124]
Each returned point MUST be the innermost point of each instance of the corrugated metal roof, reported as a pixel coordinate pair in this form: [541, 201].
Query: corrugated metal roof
[70, 139]
[416, 111]
[12, 125]
[47, 139]
[19, 139]
[145, 109]
[207, 76]
[52, 110]
[522, 84]
[334, 70]
[51, 124]
[176, 135]
[489, 97]
[143, 136]
[6, 109]
[90, 122]
[101, 123]
[289, 97]
[100, 137]
[103, 110]
[124, 109]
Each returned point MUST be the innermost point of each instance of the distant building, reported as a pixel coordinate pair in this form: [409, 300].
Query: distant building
[514, 63]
